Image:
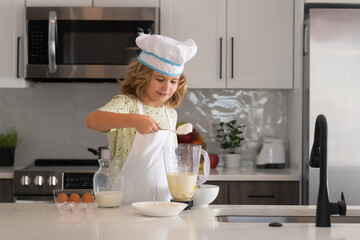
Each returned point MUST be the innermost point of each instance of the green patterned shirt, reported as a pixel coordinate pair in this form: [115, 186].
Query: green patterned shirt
[121, 139]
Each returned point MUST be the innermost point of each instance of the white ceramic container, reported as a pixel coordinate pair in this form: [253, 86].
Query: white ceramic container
[232, 160]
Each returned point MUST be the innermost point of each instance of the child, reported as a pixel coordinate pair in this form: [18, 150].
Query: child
[154, 85]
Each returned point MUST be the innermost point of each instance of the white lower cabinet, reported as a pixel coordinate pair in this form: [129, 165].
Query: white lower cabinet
[241, 43]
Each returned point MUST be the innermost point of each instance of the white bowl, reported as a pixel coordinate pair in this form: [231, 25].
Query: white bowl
[205, 195]
[159, 209]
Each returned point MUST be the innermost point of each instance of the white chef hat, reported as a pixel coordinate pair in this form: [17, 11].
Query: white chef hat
[165, 55]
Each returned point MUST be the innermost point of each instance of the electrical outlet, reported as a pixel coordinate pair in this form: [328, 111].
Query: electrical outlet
[213, 127]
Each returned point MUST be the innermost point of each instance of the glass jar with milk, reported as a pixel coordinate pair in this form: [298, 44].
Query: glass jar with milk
[108, 184]
[182, 166]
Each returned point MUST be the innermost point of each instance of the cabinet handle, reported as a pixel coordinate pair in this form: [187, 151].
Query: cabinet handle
[18, 58]
[232, 57]
[306, 37]
[221, 58]
[261, 196]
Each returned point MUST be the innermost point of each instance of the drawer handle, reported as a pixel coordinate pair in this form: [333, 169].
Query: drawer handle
[261, 196]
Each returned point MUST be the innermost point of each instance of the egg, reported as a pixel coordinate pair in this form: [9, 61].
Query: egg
[74, 197]
[61, 198]
[87, 197]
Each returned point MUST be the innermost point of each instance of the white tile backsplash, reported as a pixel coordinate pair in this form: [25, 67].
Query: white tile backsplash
[264, 112]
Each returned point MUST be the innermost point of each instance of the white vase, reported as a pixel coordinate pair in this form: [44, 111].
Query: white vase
[232, 160]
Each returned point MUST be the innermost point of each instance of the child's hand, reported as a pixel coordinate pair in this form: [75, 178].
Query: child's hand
[146, 125]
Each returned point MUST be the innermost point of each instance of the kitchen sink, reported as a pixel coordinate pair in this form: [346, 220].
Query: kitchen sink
[284, 219]
[278, 213]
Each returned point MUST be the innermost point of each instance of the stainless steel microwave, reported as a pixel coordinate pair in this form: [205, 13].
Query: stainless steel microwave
[84, 43]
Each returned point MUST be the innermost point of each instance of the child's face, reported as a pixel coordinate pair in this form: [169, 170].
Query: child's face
[160, 89]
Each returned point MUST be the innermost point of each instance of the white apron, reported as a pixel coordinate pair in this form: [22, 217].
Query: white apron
[144, 166]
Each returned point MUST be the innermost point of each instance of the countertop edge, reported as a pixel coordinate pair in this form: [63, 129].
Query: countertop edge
[221, 174]
[6, 172]
[253, 174]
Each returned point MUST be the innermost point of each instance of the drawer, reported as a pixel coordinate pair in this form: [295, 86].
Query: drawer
[264, 193]
[6, 190]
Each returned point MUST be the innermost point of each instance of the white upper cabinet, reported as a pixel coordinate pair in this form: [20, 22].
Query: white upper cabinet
[11, 44]
[205, 22]
[333, 1]
[94, 3]
[262, 47]
[59, 3]
[126, 3]
[241, 43]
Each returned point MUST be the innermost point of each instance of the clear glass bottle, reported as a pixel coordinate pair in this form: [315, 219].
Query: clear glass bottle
[108, 184]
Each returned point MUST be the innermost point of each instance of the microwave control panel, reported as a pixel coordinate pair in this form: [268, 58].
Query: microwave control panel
[37, 42]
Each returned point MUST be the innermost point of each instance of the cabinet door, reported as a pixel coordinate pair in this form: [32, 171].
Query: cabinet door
[11, 39]
[6, 190]
[59, 3]
[260, 44]
[126, 3]
[205, 22]
[223, 196]
[264, 193]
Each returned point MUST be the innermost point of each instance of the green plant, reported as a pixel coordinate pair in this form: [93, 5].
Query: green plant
[229, 135]
[9, 139]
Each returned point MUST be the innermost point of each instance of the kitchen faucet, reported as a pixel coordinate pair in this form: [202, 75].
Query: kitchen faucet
[318, 159]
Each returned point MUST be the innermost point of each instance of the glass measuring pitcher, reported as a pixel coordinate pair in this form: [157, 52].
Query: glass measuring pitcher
[108, 184]
[182, 167]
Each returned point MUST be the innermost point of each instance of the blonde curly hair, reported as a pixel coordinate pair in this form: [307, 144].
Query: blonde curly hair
[137, 80]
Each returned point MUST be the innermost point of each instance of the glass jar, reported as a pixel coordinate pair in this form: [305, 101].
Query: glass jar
[108, 184]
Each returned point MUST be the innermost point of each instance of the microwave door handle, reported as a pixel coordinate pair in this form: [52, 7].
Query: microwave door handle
[52, 41]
